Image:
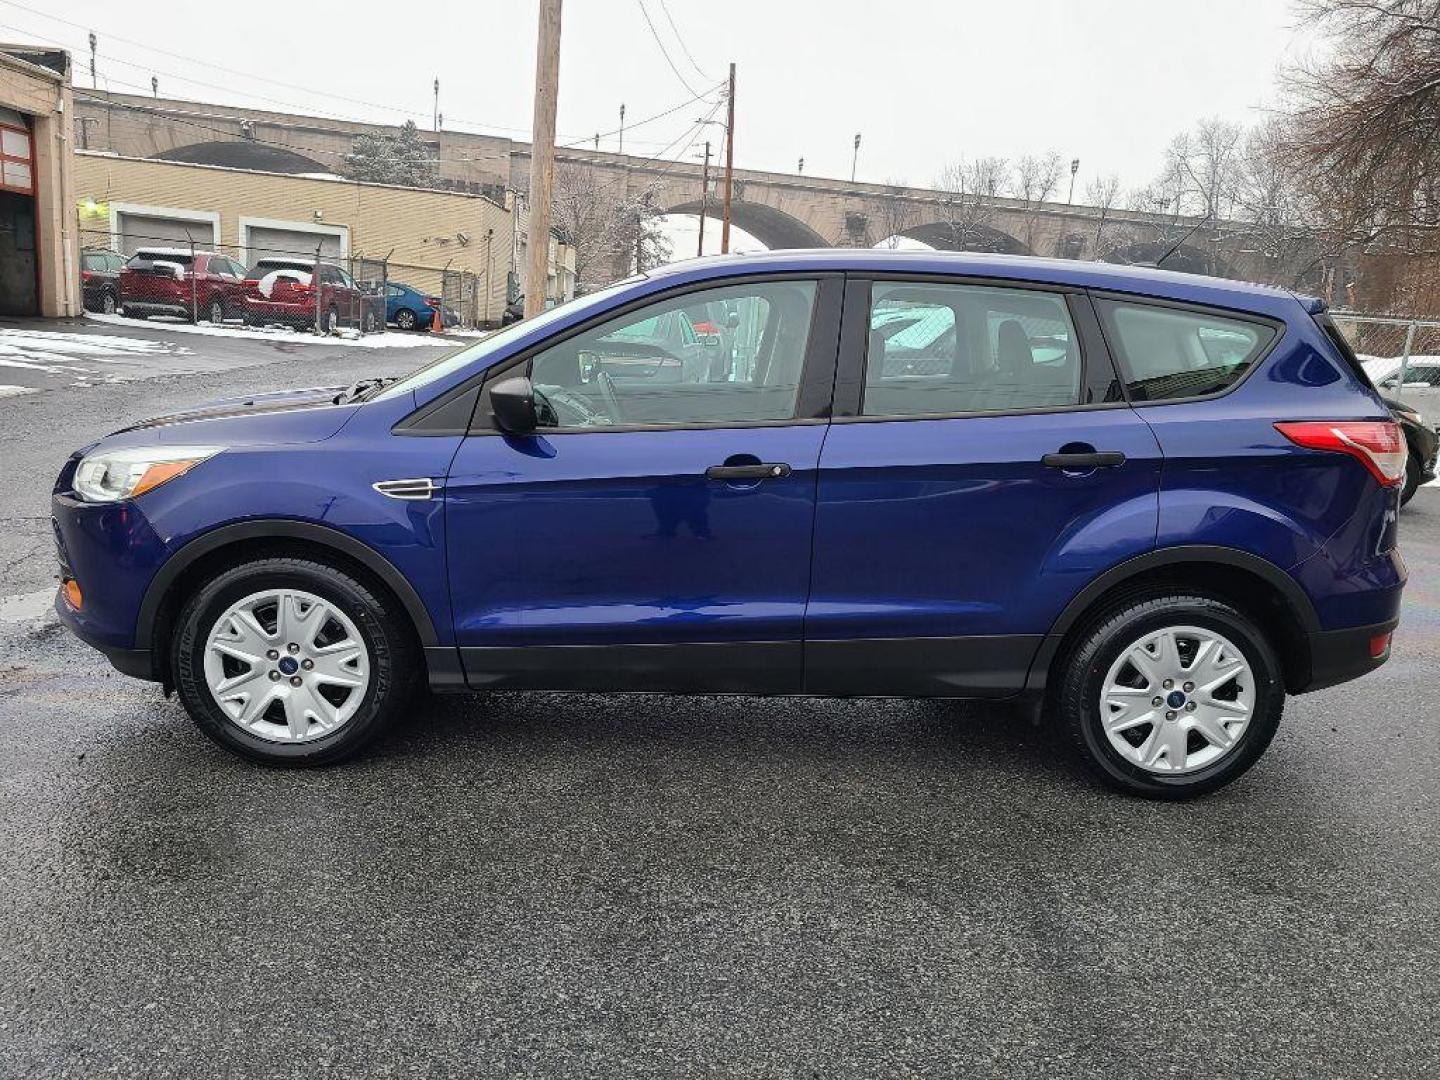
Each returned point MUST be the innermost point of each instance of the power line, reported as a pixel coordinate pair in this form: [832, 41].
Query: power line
[681, 39]
[664, 51]
[648, 119]
[409, 113]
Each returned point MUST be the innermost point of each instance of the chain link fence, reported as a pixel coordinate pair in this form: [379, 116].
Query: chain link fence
[178, 273]
[1401, 354]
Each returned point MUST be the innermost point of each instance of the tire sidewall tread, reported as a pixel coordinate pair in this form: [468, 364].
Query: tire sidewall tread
[1097, 647]
[393, 657]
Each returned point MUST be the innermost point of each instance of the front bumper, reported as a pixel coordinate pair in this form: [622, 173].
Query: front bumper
[112, 553]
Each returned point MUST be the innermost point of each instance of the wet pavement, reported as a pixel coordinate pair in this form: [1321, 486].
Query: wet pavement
[547, 885]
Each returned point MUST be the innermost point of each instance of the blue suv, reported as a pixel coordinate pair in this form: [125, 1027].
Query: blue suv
[1153, 503]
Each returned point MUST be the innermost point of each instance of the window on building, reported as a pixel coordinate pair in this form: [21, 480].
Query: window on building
[16, 172]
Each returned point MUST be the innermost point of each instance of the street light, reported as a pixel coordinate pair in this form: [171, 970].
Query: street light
[94, 83]
[800, 168]
[1074, 168]
[855, 158]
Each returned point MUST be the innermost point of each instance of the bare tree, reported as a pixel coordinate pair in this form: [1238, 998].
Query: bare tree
[612, 231]
[1270, 213]
[971, 190]
[1200, 167]
[1103, 193]
[1036, 179]
[1363, 133]
[897, 213]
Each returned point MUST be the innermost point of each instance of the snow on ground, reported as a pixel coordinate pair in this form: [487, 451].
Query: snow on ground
[278, 333]
[14, 391]
[53, 352]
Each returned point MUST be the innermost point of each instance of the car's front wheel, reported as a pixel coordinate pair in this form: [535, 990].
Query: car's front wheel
[1170, 695]
[292, 661]
[405, 319]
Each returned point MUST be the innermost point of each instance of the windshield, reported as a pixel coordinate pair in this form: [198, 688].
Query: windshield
[501, 339]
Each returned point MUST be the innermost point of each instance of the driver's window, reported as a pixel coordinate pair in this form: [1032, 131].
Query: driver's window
[733, 354]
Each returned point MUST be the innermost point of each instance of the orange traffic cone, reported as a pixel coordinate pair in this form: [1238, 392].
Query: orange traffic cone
[436, 326]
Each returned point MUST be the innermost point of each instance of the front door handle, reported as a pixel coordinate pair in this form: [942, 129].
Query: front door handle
[763, 470]
[1094, 459]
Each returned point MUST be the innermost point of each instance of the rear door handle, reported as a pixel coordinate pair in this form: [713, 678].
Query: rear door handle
[760, 471]
[1095, 459]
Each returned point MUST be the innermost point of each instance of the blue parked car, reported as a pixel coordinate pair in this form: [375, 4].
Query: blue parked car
[411, 309]
[1154, 503]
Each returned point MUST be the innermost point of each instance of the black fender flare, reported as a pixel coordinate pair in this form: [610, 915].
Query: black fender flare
[283, 529]
[1189, 554]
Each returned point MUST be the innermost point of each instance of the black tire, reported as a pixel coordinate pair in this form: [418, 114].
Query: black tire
[332, 320]
[1076, 691]
[107, 303]
[405, 319]
[393, 657]
[1412, 479]
[216, 312]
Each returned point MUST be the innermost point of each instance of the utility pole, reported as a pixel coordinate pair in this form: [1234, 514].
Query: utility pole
[729, 162]
[800, 168]
[1074, 168]
[542, 155]
[855, 157]
[94, 82]
[704, 197]
[435, 114]
[154, 86]
[622, 127]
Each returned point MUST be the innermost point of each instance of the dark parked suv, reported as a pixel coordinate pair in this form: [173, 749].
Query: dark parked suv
[1154, 503]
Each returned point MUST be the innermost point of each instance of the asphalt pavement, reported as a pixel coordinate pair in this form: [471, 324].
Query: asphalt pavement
[548, 885]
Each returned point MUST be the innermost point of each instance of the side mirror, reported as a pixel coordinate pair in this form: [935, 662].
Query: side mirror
[512, 404]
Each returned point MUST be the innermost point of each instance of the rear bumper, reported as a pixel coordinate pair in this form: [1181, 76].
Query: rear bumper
[1337, 656]
[280, 312]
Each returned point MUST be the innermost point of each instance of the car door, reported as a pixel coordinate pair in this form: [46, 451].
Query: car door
[981, 468]
[655, 532]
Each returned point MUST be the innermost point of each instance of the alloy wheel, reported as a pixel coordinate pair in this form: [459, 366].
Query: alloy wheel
[1177, 700]
[286, 665]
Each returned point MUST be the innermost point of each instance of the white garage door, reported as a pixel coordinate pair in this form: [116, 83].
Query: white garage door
[289, 242]
[145, 230]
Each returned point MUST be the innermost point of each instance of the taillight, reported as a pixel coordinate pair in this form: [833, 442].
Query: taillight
[432, 301]
[1379, 445]
[87, 275]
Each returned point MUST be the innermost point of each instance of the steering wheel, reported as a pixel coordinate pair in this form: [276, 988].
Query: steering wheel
[612, 400]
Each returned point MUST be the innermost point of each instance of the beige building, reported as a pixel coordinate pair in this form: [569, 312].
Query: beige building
[39, 251]
[130, 203]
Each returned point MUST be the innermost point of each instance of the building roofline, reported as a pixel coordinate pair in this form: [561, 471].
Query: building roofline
[111, 156]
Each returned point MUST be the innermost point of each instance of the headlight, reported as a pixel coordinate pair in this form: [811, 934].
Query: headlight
[109, 476]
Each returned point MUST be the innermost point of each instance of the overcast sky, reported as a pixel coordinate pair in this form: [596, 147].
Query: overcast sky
[923, 81]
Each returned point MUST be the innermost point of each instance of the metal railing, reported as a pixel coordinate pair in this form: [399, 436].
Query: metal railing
[1401, 353]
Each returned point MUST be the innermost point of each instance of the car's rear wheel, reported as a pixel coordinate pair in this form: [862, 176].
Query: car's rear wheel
[291, 661]
[107, 302]
[1412, 479]
[1170, 695]
[217, 312]
[405, 319]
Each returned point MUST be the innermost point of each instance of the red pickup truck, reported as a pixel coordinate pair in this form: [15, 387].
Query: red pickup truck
[175, 281]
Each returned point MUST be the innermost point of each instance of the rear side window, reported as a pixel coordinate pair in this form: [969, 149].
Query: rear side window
[938, 349]
[1169, 353]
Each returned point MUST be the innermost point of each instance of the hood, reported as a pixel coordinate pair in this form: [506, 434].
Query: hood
[247, 405]
[286, 416]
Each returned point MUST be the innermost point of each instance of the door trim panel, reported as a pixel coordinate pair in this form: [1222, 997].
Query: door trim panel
[960, 667]
[741, 667]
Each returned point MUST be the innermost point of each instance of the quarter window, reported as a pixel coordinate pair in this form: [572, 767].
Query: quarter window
[942, 349]
[733, 354]
[1166, 353]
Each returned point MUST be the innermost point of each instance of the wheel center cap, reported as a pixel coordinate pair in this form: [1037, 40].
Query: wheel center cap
[289, 665]
[1175, 700]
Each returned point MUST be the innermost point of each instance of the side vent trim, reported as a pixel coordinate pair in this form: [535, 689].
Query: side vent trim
[414, 488]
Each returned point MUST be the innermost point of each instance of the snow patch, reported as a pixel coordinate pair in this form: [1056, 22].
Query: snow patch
[14, 391]
[280, 333]
[26, 607]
